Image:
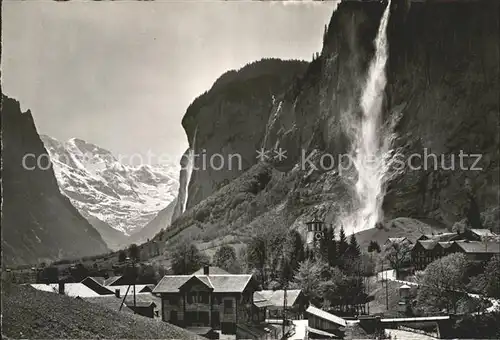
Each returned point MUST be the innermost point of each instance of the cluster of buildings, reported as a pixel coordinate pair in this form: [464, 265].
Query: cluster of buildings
[210, 302]
[478, 245]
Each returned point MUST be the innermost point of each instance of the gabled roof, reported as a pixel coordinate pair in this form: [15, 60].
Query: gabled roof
[123, 289]
[99, 279]
[276, 297]
[444, 237]
[397, 240]
[93, 284]
[427, 244]
[228, 283]
[445, 245]
[483, 232]
[70, 289]
[211, 271]
[479, 247]
[260, 301]
[326, 316]
[203, 279]
[111, 280]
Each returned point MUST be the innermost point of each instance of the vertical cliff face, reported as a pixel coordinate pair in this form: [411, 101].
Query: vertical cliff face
[230, 122]
[38, 222]
[442, 84]
[444, 74]
[441, 94]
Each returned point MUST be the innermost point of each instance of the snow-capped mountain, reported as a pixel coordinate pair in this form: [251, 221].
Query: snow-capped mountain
[98, 184]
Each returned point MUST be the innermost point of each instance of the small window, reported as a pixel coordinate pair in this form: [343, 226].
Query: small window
[228, 303]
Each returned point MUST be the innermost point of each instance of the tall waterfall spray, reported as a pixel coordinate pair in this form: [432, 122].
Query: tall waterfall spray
[371, 142]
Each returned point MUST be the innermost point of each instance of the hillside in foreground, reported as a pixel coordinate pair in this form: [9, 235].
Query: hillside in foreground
[32, 314]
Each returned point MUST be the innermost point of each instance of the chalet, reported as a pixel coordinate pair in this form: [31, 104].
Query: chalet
[274, 301]
[478, 245]
[207, 302]
[324, 325]
[423, 253]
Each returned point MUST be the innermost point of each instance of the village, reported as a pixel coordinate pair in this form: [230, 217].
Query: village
[216, 304]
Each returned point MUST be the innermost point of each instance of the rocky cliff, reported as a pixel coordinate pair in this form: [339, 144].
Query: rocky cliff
[38, 222]
[441, 94]
[225, 125]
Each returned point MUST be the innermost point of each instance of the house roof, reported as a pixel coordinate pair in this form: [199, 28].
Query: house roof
[99, 279]
[260, 301]
[227, 283]
[397, 239]
[322, 333]
[483, 232]
[427, 244]
[112, 302]
[93, 284]
[445, 245]
[70, 289]
[211, 271]
[325, 315]
[479, 247]
[276, 297]
[110, 280]
[123, 289]
[444, 237]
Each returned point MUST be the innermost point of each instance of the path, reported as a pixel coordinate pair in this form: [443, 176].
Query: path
[405, 335]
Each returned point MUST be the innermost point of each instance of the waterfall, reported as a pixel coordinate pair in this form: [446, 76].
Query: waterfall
[371, 153]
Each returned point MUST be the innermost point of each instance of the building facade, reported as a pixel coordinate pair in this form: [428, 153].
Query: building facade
[211, 301]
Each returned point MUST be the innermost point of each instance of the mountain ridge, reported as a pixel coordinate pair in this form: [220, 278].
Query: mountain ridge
[38, 223]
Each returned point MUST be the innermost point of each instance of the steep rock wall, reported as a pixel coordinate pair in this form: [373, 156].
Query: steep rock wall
[38, 222]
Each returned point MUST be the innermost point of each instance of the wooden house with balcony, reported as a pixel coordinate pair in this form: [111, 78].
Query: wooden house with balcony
[206, 302]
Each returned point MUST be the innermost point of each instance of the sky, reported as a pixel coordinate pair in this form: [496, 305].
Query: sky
[122, 74]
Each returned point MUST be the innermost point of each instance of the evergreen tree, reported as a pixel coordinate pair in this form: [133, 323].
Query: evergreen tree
[473, 214]
[354, 249]
[374, 246]
[134, 252]
[122, 256]
[343, 246]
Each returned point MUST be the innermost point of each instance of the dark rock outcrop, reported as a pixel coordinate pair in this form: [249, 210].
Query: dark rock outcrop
[38, 222]
[228, 123]
[442, 82]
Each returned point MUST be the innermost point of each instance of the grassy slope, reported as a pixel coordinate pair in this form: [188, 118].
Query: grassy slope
[28, 313]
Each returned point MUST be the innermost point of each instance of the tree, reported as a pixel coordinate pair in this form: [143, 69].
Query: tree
[186, 258]
[473, 213]
[398, 253]
[293, 253]
[354, 250]
[225, 257]
[122, 256]
[443, 283]
[343, 245]
[308, 279]
[134, 252]
[488, 283]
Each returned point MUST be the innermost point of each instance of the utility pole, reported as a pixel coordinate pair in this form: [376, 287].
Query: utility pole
[135, 278]
[386, 292]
